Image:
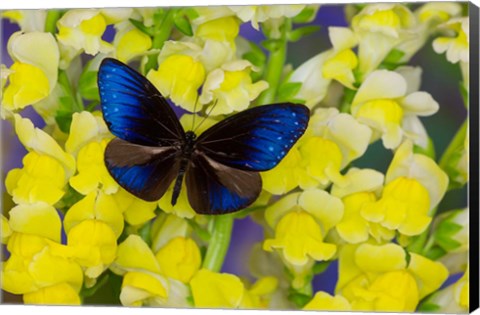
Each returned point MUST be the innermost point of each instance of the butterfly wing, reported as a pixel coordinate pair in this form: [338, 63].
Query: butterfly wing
[214, 188]
[145, 172]
[133, 108]
[256, 139]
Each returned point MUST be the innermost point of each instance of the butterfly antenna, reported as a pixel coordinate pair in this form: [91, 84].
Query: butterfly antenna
[208, 114]
[194, 112]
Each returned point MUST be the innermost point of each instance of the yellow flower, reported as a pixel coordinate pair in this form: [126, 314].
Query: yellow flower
[96, 206]
[179, 77]
[167, 227]
[179, 259]
[131, 43]
[223, 290]
[258, 14]
[5, 230]
[376, 277]
[82, 29]
[28, 20]
[142, 283]
[94, 246]
[33, 74]
[340, 64]
[38, 219]
[86, 127]
[379, 28]
[230, 88]
[323, 301]
[301, 222]
[383, 104]
[135, 210]
[37, 140]
[92, 172]
[455, 47]
[33, 266]
[42, 178]
[58, 294]
[442, 301]
[182, 208]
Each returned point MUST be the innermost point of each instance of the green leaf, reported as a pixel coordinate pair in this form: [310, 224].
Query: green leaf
[299, 299]
[87, 86]
[448, 228]
[272, 44]
[320, 267]
[464, 93]
[101, 281]
[288, 91]
[301, 32]
[435, 252]
[141, 27]
[183, 24]
[428, 307]
[305, 16]
[191, 13]
[392, 61]
[144, 233]
[428, 151]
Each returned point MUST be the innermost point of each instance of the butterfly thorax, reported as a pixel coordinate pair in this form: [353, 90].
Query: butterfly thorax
[187, 149]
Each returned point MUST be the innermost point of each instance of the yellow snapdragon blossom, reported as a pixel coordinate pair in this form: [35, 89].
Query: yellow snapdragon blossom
[230, 88]
[166, 227]
[340, 65]
[28, 20]
[363, 187]
[33, 74]
[261, 13]
[331, 141]
[223, 290]
[136, 211]
[383, 104]
[142, 282]
[82, 29]
[443, 302]
[323, 301]
[376, 277]
[5, 229]
[414, 186]
[379, 28]
[301, 222]
[179, 77]
[179, 259]
[42, 178]
[456, 48]
[131, 43]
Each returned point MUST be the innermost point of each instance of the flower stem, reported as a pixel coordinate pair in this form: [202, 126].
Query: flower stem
[161, 33]
[219, 243]
[276, 61]
[456, 143]
[51, 20]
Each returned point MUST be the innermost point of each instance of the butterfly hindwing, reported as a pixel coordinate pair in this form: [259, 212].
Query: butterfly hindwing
[133, 108]
[145, 172]
[214, 188]
[256, 139]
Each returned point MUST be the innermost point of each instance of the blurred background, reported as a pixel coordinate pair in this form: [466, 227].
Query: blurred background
[440, 78]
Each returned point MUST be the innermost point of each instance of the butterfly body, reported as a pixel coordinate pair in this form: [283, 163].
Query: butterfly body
[219, 166]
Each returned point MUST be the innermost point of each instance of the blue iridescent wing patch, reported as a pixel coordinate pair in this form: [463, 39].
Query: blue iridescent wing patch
[256, 139]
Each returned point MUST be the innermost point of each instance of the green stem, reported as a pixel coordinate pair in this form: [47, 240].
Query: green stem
[219, 242]
[51, 20]
[276, 61]
[161, 33]
[456, 142]
[64, 81]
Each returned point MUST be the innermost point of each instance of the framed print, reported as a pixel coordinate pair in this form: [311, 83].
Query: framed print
[281, 157]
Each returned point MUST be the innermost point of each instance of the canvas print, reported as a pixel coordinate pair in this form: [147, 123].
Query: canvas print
[287, 157]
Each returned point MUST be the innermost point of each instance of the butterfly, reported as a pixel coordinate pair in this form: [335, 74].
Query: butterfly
[220, 166]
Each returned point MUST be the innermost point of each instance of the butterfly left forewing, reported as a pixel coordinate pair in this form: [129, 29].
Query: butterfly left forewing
[214, 188]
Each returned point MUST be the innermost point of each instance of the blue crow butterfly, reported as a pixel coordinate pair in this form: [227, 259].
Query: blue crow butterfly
[220, 166]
